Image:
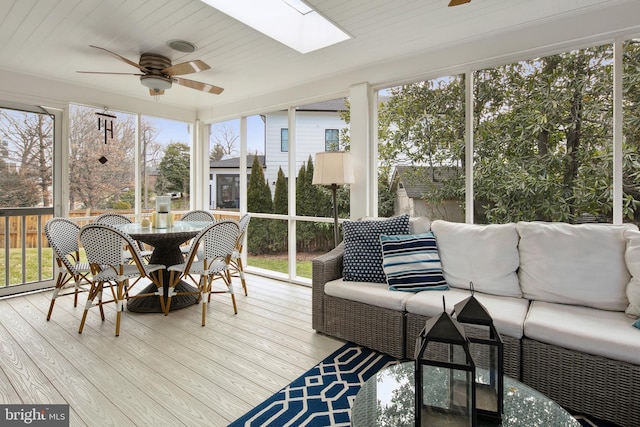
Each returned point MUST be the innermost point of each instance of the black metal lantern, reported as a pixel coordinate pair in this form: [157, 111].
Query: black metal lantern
[444, 375]
[486, 348]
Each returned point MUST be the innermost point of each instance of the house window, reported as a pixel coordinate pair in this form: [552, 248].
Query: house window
[331, 140]
[284, 140]
[228, 191]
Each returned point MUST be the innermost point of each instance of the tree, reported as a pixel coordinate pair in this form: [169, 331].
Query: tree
[225, 140]
[216, 153]
[542, 136]
[174, 170]
[260, 240]
[28, 139]
[280, 206]
[93, 184]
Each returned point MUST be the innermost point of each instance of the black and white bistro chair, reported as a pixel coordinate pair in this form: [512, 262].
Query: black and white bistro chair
[103, 245]
[207, 260]
[74, 276]
[195, 215]
[114, 218]
[236, 268]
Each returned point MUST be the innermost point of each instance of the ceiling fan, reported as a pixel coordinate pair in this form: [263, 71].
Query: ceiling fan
[458, 2]
[158, 73]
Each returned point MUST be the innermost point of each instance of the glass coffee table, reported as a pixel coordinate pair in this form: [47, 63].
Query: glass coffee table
[388, 399]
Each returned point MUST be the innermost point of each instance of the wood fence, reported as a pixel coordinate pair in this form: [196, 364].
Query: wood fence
[34, 225]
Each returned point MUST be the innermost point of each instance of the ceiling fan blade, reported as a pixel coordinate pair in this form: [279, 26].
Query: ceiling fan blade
[204, 87]
[121, 58]
[458, 2]
[186, 68]
[107, 72]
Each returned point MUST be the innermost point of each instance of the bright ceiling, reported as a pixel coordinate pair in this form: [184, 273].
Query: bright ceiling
[51, 39]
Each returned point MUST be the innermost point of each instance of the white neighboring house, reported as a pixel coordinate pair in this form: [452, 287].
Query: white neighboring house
[318, 129]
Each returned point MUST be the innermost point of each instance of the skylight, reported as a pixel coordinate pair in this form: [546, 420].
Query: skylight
[291, 22]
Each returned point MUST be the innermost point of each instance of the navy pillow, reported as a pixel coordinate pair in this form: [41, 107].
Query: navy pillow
[411, 262]
[362, 251]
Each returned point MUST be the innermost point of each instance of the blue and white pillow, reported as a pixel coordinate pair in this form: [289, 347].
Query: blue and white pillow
[362, 260]
[412, 263]
[636, 324]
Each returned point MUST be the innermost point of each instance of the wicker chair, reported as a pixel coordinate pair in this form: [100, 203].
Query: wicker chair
[216, 243]
[236, 268]
[113, 218]
[103, 245]
[195, 215]
[63, 235]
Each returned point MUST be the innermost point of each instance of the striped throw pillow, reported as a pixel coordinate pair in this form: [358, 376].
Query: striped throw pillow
[412, 263]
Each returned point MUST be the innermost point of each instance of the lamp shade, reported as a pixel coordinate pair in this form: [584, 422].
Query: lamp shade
[333, 167]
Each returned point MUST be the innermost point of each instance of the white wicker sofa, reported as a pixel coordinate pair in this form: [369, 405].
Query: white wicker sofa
[563, 298]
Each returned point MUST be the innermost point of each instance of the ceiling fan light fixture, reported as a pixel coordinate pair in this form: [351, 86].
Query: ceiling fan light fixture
[157, 83]
[182, 46]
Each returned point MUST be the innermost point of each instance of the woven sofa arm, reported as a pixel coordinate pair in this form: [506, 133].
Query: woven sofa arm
[325, 268]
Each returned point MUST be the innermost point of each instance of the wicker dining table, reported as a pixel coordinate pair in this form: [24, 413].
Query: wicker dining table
[166, 251]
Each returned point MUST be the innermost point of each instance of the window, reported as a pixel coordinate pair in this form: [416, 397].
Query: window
[331, 140]
[284, 140]
[228, 191]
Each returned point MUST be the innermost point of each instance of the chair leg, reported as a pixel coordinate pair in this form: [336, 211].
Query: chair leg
[96, 288]
[205, 286]
[122, 292]
[53, 301]
[241, 273]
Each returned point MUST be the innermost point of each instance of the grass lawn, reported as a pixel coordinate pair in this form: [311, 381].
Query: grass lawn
[303, 267]
[279, 264]
[15, 266]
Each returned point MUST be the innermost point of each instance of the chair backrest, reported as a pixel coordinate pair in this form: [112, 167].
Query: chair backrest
[198, 215]
[216, 241]
[111, 218]
[103, 245]
[62, 235]
[244, 224]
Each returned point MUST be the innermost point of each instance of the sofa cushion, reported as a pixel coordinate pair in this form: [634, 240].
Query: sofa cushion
[411, 262]
[574, 264]
[508, 313]
[376, 294]
[589, 330]
[632, 258]
[362, 260]
[486, 255]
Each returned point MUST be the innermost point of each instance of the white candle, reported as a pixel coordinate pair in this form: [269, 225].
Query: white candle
[163, 208]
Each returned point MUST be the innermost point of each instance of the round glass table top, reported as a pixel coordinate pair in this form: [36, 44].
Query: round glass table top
[388, 399]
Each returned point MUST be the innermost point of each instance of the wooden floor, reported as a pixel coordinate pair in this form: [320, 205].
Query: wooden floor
[160, 371]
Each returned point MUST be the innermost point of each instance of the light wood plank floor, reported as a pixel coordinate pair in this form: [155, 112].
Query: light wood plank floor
[160, 371]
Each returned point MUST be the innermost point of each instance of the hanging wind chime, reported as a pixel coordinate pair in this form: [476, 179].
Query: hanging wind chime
[105, 122]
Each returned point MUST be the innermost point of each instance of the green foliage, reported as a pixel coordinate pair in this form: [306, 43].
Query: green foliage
[280, 206]
[542, 136]
[174, 170]
[260, 240]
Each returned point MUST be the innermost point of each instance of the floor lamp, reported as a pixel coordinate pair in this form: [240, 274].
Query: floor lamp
[333, 168]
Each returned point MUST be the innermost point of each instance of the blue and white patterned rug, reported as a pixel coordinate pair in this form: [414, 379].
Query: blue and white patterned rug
[323, 395]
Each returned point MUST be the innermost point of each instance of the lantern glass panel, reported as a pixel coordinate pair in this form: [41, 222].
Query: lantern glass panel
[446, 382]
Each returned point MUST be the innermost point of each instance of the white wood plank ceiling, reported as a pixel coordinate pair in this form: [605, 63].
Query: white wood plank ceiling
[50, 39]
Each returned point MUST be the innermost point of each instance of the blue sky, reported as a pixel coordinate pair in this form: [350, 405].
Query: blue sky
[170, 130]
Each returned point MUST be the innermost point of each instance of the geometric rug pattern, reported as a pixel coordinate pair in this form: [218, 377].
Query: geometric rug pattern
[323, 395]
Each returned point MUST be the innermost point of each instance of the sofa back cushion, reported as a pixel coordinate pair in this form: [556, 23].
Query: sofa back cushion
[574, 264]
[362, 261]
[632, 258]
[486, 255]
